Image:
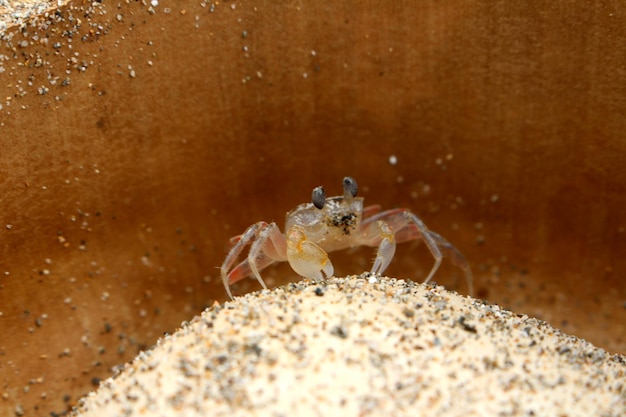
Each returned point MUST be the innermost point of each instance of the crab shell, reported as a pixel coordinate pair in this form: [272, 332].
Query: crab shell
[330, 227]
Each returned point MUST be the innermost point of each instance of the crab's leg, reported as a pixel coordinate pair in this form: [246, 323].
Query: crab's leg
[407, 226]
[270, 246]
[416, 229]
[369, 211]
[239, 242]
[456, 258]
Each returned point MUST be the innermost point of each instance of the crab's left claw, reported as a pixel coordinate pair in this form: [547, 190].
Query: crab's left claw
[386, 247]
[306, 257]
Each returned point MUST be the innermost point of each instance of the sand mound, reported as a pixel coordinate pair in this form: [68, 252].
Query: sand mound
[365, 345]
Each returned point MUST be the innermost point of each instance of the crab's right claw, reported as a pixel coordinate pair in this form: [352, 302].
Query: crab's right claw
[307, 258]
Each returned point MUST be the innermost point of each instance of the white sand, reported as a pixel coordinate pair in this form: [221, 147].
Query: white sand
[17, 13]
[365, 346]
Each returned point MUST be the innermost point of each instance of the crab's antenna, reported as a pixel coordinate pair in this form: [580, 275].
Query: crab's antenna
[349, 187]
[318, 197]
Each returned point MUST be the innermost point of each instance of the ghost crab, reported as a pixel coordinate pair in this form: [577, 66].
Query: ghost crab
[330, 224]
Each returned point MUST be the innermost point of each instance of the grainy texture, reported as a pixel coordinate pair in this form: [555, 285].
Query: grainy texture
[18, 12]
[365, 346]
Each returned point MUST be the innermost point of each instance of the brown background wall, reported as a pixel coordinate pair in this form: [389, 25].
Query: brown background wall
[165, 133]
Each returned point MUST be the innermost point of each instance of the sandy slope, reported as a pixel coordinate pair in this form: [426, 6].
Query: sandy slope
[365, 346]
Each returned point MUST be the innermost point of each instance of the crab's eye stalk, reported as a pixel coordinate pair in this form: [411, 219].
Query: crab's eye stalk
[349, 187]
[319, 197]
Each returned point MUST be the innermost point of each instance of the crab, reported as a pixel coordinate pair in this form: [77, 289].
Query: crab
[330, 224]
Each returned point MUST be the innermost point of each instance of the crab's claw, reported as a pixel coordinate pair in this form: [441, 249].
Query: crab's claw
[306, 257]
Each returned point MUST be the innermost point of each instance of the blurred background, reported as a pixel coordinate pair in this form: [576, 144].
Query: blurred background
[136, 139]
